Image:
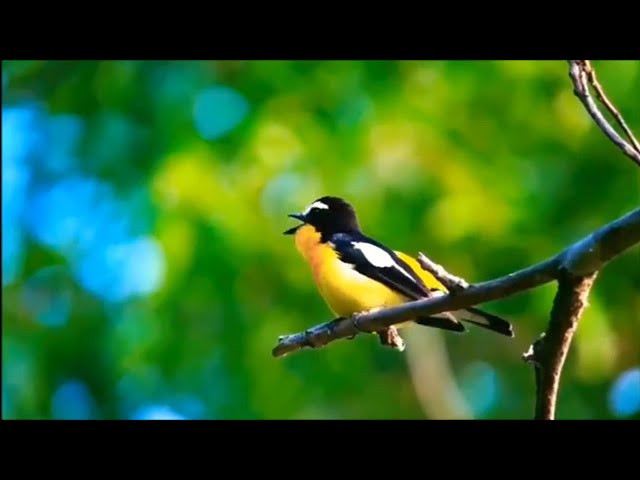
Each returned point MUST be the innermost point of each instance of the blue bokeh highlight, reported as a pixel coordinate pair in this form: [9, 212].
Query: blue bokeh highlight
[218, 110]
[72, 401]
[624, 397]
[481, 387]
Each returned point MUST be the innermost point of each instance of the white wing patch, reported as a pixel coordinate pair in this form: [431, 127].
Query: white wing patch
[374, 255]
[379, 258]
[315, 205]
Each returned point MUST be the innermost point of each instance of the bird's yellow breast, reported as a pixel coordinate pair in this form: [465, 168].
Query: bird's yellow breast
[344, 290]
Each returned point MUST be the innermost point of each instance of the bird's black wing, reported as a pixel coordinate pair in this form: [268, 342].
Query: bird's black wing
[376, 261]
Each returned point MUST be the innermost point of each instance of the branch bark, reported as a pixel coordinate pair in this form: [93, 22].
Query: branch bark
[602, 97]
[581, 259]
[581, 263]
[451, 282]
[582, 74]
[549, 353]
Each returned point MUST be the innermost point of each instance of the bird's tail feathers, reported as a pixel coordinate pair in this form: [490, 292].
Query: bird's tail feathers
[485, 320]
[444, 321]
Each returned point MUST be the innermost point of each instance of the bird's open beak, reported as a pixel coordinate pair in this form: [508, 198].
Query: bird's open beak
[297, 216]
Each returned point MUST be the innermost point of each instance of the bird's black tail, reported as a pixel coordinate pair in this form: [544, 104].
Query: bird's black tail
[485, 320]
[451, 321]
[444, 321]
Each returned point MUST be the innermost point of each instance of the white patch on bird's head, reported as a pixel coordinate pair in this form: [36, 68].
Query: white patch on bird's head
[315, 205]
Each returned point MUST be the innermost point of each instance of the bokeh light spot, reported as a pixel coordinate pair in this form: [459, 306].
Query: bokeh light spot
[123, 270]
[624, 397]
[276, 146]
[21, 131]
[217, 111]
[189, 180]
[72, 401]
[157, 412]
[20, 140]
[480, 386]
[74, 215]
[280, 191]
[64, 132]
[82, 218]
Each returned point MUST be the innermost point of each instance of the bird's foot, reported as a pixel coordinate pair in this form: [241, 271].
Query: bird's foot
[391, 338]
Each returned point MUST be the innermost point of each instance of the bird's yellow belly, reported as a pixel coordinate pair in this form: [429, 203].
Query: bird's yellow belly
[346, 291]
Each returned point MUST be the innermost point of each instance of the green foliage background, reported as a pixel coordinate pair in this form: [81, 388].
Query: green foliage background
[486, 166]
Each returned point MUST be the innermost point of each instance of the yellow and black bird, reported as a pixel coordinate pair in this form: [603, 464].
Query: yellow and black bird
[355, 273]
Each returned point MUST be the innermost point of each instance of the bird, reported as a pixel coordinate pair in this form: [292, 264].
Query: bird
[356, 274]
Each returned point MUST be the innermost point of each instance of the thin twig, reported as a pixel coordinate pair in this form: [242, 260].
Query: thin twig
[451, 282]
[580, 77]
[531, 356]
[602, 97]
[586, 256]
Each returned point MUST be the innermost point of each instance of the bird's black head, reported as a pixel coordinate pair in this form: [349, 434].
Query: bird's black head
[328, 215]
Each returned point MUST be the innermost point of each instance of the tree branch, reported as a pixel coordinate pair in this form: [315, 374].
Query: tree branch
[548, 353]
[582, 73]
[602, 97]
[581, 259]
[451, 282]
[580, 263]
